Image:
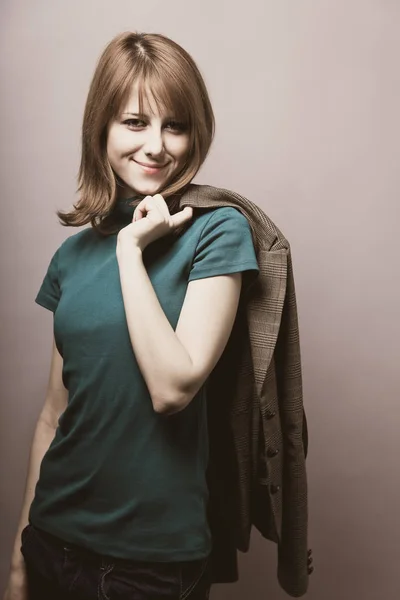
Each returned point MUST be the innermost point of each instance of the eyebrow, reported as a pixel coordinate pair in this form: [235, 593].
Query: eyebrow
[141, 115]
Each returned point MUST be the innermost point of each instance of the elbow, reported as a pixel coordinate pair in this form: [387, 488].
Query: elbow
[166, 410]
[169, 405]
[176, 398]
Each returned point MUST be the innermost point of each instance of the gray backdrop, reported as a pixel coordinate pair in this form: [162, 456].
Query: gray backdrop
[306, 97]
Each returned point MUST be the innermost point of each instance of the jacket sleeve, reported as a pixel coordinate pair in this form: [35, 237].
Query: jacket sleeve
[292, 549]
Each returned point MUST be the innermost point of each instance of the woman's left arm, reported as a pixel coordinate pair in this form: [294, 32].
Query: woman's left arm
[175, 364]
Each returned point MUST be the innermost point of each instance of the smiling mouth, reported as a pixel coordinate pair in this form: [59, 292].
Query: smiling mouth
[150, 168]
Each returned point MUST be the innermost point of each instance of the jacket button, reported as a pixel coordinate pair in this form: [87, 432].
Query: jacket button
[270, 413]
[310, 570]
[309, 552]
[271, 452]
[309, 560]
[275, 488]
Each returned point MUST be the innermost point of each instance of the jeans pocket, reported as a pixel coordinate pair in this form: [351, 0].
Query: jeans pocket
[140, 579]
[41, 553]
[72, 568]
[194, 579]
[49, 560]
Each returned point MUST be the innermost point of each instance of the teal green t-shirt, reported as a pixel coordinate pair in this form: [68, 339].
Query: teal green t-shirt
[118, 478]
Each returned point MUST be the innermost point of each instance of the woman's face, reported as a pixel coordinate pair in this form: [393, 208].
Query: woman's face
[146, 150]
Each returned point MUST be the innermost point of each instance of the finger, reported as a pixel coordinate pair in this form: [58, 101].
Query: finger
[137, 214]
[181, 217]
[161, 204]
[158, 197]
[142, 209]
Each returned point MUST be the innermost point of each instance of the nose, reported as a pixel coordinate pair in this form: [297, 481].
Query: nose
[154, 143]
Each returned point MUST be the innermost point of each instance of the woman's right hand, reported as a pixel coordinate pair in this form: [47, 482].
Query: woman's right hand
[17, 587]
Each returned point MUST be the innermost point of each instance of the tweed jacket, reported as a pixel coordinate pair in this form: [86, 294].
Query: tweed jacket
[257, 424]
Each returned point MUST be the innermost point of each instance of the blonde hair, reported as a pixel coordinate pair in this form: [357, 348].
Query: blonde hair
[175, 83]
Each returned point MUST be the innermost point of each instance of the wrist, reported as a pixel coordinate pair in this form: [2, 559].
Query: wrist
[17, 564]
[128, 248]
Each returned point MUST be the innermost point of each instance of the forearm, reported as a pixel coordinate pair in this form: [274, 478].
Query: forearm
[162, 359]
[42, 439]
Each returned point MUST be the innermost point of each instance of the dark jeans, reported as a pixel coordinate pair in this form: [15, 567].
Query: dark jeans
[62, 571]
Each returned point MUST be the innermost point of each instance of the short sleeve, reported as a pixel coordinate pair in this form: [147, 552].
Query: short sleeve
[49, 293]
[225, 246]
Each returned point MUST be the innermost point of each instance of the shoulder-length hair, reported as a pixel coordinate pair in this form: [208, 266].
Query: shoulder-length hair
[159, 65]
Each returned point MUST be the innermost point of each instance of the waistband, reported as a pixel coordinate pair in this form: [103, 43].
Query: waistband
[95, 558]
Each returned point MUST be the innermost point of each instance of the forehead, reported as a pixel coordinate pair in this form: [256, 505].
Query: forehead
[142, 98]
[158, 95]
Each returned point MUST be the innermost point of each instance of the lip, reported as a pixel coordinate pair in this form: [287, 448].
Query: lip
[150, 168]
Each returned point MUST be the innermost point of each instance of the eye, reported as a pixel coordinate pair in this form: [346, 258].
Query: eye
[177, 126]
[136, 123]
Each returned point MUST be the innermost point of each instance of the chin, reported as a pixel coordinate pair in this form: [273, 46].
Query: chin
[146, 190]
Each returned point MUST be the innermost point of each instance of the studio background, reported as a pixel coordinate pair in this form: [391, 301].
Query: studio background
[306, 98]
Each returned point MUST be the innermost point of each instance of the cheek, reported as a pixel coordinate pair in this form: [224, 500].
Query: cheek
[180, 149]
[119, 143]
[111, 145]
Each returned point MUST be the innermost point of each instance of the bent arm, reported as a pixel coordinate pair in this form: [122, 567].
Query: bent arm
[175, 364]
[55, 403]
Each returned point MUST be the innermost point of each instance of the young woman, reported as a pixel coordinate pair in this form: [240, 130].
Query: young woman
[144, 302]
